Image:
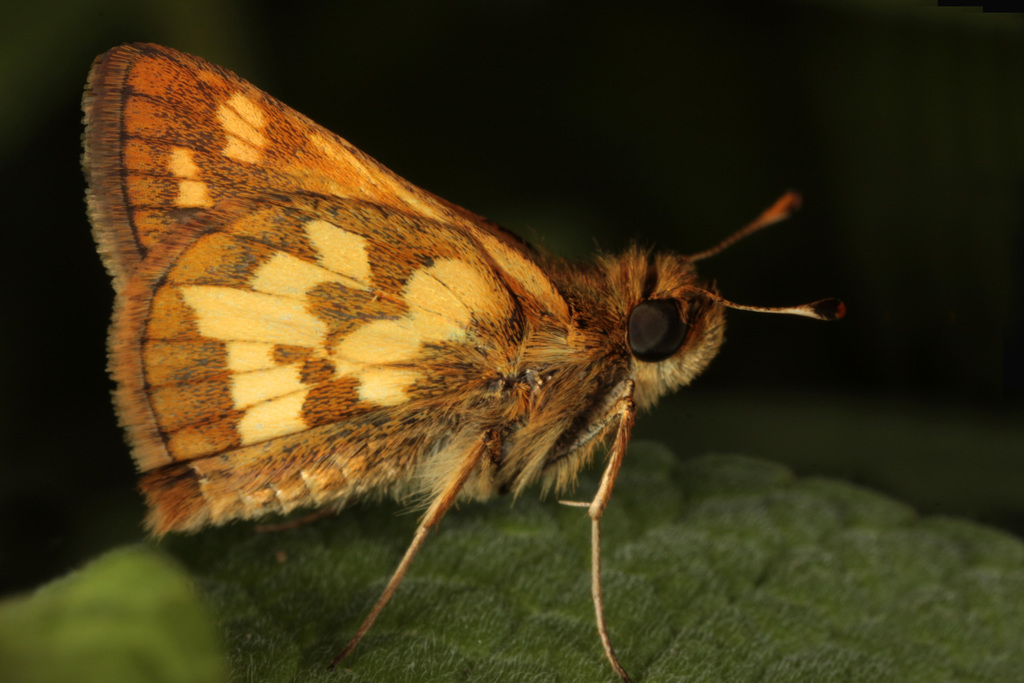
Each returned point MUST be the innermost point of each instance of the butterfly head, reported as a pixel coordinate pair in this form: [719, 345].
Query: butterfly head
[676, 324]
[672, 330]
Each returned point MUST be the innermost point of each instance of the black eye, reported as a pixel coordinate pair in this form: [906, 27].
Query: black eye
[655, 330]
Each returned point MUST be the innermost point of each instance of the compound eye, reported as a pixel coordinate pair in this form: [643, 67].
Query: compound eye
[655, 330]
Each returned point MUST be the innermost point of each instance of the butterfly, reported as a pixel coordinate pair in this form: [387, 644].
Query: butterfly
[295, 326]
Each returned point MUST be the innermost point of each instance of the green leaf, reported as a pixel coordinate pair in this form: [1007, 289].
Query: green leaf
[718, 568]
[129, 616]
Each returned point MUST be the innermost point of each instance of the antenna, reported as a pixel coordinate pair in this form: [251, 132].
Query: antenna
[823, 309]
[783, 208]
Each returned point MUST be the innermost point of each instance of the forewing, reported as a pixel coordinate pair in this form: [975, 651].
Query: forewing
[169, 136]
[295, 324]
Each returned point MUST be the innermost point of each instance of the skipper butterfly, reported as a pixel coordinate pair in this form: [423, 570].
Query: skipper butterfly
[295, 326]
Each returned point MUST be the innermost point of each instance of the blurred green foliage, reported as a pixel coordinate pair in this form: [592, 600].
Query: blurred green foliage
[131, 616]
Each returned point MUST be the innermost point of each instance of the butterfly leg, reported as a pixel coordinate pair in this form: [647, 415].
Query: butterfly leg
[626, 410]
[487, 443]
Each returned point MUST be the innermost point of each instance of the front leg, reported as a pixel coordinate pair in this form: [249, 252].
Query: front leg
[625, 408]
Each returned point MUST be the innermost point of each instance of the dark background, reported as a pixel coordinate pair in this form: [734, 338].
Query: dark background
[582, 125]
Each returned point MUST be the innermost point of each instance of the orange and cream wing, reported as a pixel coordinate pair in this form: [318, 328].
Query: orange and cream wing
[293, 320]
[169, 136]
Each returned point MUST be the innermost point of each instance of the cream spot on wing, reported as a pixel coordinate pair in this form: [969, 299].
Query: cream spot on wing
[247, 356]
[250, 388]
[242, 121]
[385, 386]
[182, 164]
[248, 110]
[273, 418]
[471, 287]
[380, 342]
[433, 302]
[340, 250]
[378, 383]
[231, 314]
[447, 294]
[193, 193]
[240, 151]
[287, 275]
